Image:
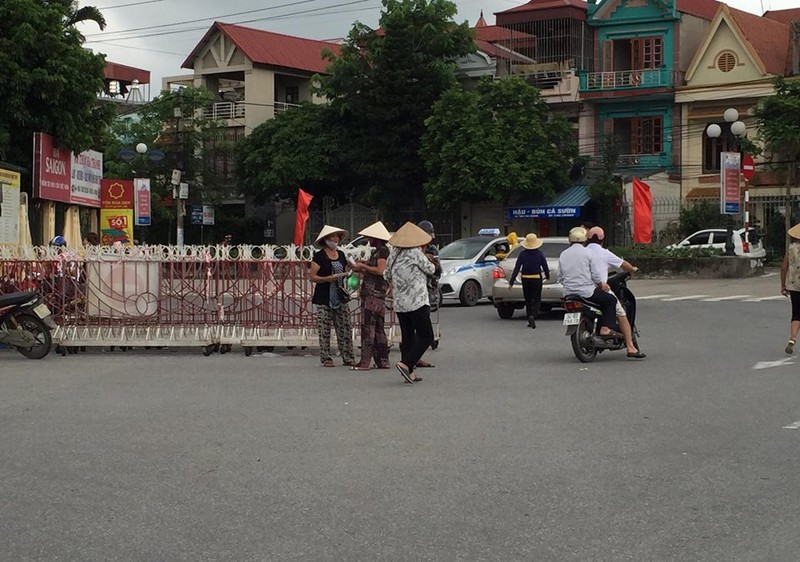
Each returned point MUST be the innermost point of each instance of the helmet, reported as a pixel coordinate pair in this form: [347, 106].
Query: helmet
[596, 232]
[577, 234]
[58, 241]
[427, 226]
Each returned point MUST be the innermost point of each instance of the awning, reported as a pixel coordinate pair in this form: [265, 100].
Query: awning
[566, 204]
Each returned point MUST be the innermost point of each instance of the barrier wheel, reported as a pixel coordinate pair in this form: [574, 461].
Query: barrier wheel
[61, 350]
[225, 348]
[208, 350]
[248, 351]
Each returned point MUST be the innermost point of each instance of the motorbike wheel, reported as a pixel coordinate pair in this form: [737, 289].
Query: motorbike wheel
[582, 344]
[40, 332]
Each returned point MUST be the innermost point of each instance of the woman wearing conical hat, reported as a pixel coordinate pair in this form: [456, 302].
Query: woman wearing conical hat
[374, 344]
[328, 269]
[408, 269]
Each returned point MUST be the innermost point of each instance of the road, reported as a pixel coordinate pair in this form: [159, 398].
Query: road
[508, 450]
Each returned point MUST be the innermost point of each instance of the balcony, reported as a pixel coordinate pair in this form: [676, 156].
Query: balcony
[554, 85]
[224, 110]
[627, 80]
[281, 106]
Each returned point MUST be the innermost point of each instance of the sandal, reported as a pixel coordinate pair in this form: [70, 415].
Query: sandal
[637, 355]
[385, 366]
[612, 334]
[790, 347]
[405, 372]
[328, 363]
[424, 365]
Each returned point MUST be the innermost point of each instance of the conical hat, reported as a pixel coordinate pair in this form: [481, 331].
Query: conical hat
[532, 242]
[326, 231]
[794, 232]
[410, 236]
[377, 231]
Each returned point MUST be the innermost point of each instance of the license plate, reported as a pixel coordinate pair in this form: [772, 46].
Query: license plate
[572, 318]
[42, 311]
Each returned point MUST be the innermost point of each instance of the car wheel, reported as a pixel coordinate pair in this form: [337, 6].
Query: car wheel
[505, 311]
[470, 293]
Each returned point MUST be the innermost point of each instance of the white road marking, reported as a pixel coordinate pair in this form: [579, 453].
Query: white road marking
[771, 364]
[762, 299]
[795, 425]
[730, 298]
[649, 297]
[768, 275]
[686, 298]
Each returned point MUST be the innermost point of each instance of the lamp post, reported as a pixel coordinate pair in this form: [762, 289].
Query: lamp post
[739, 130]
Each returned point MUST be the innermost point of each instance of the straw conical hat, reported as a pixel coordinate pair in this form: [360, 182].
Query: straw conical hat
[326, 231]
[377, 231]
[410, 236]
[531, 242]
[794, 232]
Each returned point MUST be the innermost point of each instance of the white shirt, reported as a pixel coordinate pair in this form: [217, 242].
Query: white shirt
[604, 259]
[578, 272]
[408, 270]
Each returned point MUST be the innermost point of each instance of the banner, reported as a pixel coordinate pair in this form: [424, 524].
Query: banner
[301, 217]
[9, 207]
[87, 173]
[142, 189]
[642, 213]
[196, 214]
[52, 170]
[208, 215]
[729, 190]
[116, 212]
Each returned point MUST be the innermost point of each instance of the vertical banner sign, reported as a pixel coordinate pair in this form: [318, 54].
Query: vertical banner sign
[52, 170]
[9, 207]
[196, 214]
[208, 215]
[301, 216]
[642, 212]
[116, 212]
[729, 183]
[141, 187]
[87, 172]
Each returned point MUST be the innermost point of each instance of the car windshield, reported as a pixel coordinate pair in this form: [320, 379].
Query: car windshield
[464, 249]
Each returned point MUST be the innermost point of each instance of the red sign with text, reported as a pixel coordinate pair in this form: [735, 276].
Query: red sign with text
[52, 170]
[116, 194]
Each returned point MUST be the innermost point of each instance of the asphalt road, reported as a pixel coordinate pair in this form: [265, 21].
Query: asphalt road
[508, 450]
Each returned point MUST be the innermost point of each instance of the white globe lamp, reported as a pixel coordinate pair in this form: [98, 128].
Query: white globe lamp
[738, 128]
[730, 115]
[714, 131]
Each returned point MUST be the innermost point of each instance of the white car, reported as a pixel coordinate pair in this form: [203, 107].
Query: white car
[467, 266]
[716, 238]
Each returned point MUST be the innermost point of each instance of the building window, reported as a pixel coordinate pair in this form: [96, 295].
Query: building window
[726, 142]
[292, 94]
[647, 135]
[726, 61]
[647, 53]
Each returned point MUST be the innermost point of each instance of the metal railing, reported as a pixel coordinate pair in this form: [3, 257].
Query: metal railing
[225, 110]
[627, 79]
[284, 106]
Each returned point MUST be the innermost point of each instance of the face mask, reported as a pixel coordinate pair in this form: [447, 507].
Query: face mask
[331, 244]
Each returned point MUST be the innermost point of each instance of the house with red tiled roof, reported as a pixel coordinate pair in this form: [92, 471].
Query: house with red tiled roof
[733, 68]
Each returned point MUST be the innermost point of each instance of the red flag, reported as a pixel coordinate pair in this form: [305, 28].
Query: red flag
[642, 213]
[303, 201]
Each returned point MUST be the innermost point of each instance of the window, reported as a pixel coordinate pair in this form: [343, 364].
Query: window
[719, 237]
[698, 239]
[647, 53]
[726, 142]
[726, 61]
[647, 135]
[292, 94]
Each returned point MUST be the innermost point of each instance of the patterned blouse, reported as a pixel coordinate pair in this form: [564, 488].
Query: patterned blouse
[793, 274]
[407, 269]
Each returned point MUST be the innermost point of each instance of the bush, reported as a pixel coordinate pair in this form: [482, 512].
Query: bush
[702, 215]
[638, 251]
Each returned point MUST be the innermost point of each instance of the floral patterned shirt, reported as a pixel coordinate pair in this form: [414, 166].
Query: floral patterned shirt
[407, 269]
[793, 274]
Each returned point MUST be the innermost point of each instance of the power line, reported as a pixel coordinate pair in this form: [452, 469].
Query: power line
[131, 4]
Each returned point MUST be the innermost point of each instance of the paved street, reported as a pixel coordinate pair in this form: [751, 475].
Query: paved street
[509, 450]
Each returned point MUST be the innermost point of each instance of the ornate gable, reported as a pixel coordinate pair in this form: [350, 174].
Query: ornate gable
[221, 53]
[623, 11]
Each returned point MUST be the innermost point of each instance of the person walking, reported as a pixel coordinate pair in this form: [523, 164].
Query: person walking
[532, 264]
[790, 283]
[374, 344]
[328, 269]
[408, 269]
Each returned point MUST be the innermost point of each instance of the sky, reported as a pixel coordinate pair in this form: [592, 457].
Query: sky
[158, 35]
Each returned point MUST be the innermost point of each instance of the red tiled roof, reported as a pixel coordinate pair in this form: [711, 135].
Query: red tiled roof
[536, 5]
[769, 38]
[785, 16]
[495, 33]
[271, 49]
[705, 9]
[117, 71]
[481, 21]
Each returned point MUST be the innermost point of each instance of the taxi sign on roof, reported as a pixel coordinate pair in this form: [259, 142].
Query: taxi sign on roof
[489, 232]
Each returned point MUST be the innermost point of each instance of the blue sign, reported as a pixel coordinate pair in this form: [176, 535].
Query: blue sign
[544, 213]
[196, 216]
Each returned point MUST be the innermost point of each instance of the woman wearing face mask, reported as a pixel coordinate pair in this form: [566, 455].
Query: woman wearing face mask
[328, 270]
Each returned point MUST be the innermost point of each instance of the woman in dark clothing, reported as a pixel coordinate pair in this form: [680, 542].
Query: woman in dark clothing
[533, 265]
[328, 270]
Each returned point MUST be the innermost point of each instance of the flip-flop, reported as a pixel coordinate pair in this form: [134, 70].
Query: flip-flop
[612, 334]
[404, 371]
[790, 347]
[328, 363]
[425, 365]
[637, 355]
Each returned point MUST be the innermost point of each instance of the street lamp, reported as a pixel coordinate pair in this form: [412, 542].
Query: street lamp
[739, 130]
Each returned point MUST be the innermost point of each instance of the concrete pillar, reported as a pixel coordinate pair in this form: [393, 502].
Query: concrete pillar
[259, 95]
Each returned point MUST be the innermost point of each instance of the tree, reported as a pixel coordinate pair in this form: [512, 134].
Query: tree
[499, 142]
[778, 119]
[50, 81]
[383, 85]
[75, 14]
[606, 186]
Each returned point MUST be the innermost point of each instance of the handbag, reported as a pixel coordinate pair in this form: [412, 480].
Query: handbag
[344, 296]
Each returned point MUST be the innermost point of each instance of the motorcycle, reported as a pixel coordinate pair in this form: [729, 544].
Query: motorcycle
[582, 321]
[25, 324]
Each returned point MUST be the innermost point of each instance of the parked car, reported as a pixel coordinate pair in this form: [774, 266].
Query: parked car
[716, 238]
[467, 266]
[506, 300]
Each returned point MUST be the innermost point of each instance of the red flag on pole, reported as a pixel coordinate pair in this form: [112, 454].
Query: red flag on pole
[642, 213]
[301, 217]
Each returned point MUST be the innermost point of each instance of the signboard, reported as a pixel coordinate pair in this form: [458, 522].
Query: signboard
[543, 212]
[748, 167]
[196, 214]
[183, 192]
[116, 212]
[52, 170]
[141, 187]
[208, 215]
[729, 183]
[9, 207]
[87, 172]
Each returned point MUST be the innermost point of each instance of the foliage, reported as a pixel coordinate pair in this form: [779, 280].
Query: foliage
[606, 186]
[383, 86]
[50, 81]
[639, 251]
[499, 142]
[700, 216]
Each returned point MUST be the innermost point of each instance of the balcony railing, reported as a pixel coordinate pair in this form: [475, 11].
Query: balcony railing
[224, 110]
[284, 106]
[627, 80]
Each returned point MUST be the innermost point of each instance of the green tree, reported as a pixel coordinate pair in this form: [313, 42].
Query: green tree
[606, 185]
[75, 14]
[383, 85]
[499, 142]
[778, 119]
[50, 82]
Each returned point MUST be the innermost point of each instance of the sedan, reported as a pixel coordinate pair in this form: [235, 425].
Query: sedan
[508, 299]
[467, 266]
[716, 238]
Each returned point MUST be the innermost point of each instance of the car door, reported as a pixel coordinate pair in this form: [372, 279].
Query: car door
[719, 238]
[488, 260]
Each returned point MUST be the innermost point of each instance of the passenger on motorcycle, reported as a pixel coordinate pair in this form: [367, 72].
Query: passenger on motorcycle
[579, 275]
[607, 259]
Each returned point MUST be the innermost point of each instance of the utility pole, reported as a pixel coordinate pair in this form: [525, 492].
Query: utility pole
[177, 186]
